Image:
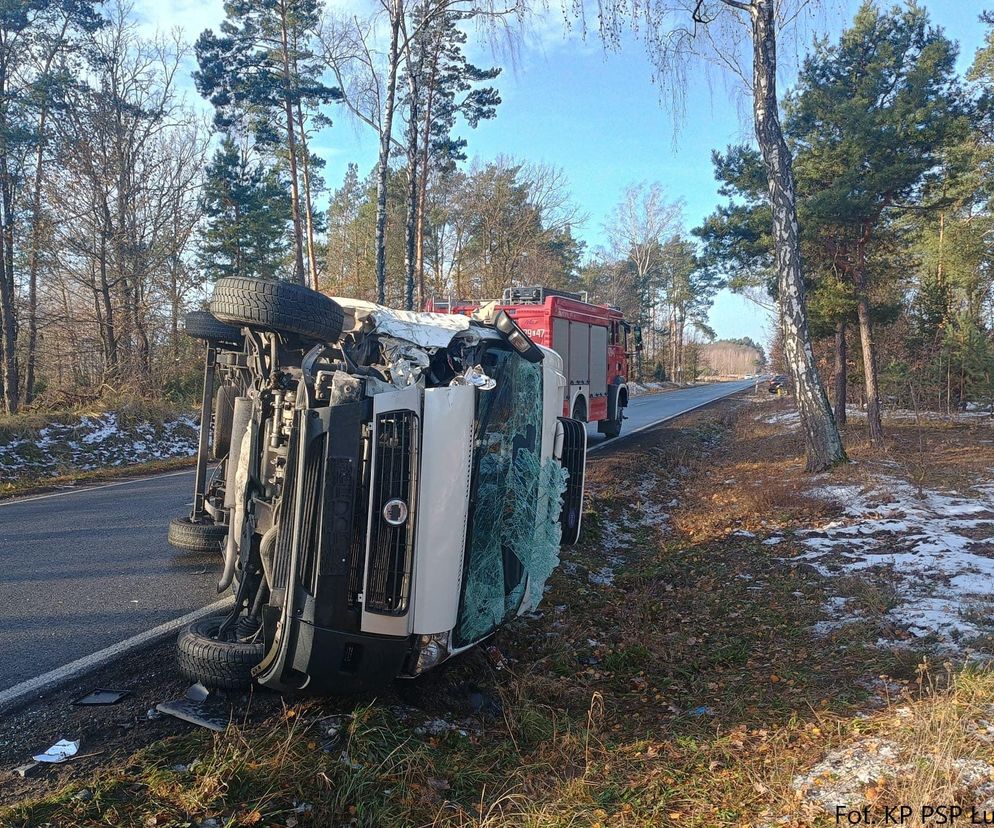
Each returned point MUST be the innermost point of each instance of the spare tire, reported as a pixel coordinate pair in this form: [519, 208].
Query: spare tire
[200, 536]
[277, 306]
[204, 325]
[224, 412]
[219, 665]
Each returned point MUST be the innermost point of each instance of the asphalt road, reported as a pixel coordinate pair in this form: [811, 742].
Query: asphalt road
[84, 569]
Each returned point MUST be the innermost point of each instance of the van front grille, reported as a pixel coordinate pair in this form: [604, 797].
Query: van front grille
[391, 548]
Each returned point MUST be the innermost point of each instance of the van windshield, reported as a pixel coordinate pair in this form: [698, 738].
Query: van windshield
[513, 534]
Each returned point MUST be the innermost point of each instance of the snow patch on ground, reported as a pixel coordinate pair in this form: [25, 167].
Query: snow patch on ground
[619, 535]
[936, 552]
[788, 417]
[846, 774]
[843, 776]
[94, 442]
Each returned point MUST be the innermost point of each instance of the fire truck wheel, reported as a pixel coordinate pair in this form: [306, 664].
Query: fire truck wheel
[204, 325]
[580, 410]
[609, 428]
[219, 665]
[205, 536]
[282, 307]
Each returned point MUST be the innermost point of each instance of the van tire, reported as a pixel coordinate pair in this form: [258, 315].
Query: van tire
[204, 325]
[199, 536]
[218, 665]
[283, 307]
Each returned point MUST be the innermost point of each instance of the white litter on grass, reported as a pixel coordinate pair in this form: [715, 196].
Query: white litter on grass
[61, 751]
[937, 552]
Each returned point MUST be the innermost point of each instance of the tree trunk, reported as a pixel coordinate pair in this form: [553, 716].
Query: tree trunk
[8, 334]
[869, 370]
[410, 224]
[821, 436]
[841, 358]
[868, 346]
[312, 260]
[383, 164]
[291, 137]
[29, 368]
[422, 196]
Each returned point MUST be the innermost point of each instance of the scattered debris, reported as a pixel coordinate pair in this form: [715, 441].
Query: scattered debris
[193, 713]
[197, 693]
[496, 658]
[27, 769]
[61, 751]
[102, 696]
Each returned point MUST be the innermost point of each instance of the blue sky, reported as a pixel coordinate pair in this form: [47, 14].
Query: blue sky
[598, 116]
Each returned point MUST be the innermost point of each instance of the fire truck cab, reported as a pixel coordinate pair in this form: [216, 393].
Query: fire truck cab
[591, 339]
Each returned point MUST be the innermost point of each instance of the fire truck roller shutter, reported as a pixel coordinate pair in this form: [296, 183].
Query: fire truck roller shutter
[598, 360]
[579, 353]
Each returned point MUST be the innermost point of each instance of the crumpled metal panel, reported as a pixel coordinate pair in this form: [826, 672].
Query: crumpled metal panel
[429, 330]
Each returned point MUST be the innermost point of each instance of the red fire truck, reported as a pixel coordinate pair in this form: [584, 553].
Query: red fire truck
[591, 339]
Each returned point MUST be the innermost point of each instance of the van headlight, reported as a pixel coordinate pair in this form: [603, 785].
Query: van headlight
[432, 649]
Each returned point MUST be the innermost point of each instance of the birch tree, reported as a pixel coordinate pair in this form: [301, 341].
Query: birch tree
[679, 35]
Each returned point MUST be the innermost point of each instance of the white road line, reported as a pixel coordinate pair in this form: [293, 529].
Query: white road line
[20, 693]
[609, 443]
[84, 489]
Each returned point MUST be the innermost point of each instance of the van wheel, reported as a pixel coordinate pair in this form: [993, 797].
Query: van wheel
[204, 325]
[219, 665]
[283, 307]
[197, 536]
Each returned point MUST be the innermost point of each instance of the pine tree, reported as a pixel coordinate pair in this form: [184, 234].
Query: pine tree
[261, 75]
[245, 208]
[441, 87]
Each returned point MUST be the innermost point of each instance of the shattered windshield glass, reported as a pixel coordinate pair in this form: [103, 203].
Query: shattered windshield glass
[514, 532]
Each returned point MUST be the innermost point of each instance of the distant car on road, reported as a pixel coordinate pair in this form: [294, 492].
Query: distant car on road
[780, 384]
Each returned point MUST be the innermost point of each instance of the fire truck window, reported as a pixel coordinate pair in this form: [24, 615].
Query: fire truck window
[513, 542]
[614, 333]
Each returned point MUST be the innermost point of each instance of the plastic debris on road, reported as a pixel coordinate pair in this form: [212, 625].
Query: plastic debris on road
[101, 696]
[61, 751]
[191, 708]
[193, 713]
